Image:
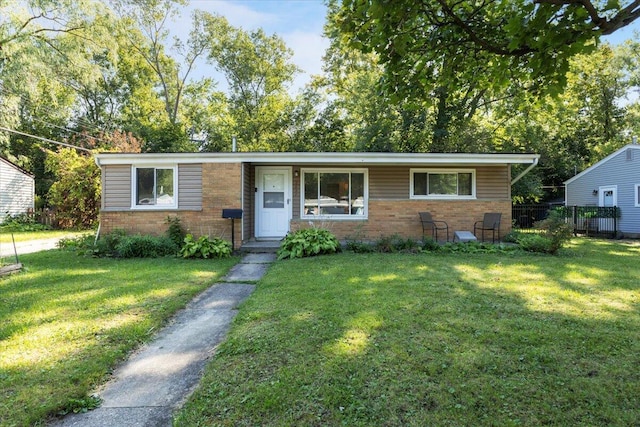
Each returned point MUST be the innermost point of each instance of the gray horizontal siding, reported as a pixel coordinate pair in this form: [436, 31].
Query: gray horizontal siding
[116, 187]
[621, 170]
[190, 186]
[493, 182]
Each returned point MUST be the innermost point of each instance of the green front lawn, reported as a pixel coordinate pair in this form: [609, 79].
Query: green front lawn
[419, 340]
[67, 320]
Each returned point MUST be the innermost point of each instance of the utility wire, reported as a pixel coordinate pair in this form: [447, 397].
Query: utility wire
[39, 138]
[80, 120]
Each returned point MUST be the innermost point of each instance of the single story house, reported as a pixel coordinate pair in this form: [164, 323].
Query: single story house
[17, 189]
[613, 181]
[364, 195]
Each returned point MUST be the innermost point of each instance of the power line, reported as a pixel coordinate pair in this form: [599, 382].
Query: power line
[80, 120]
[39, 138]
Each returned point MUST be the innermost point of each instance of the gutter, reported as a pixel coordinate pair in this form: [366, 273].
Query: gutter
[526, 171]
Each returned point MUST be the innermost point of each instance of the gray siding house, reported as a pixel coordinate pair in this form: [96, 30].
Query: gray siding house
[613, 181]
[17, 188]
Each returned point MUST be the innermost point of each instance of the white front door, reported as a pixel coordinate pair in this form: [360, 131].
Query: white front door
[273, 202]
[608, 197]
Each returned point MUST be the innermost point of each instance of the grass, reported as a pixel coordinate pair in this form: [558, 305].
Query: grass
[23, 236]
[67, 320]
[393, 339]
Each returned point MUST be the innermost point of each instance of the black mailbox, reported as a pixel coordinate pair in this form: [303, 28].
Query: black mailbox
[232, 213]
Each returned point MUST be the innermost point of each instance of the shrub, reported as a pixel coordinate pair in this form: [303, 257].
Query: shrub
[535, 243]
[308, 242]
[430, 245]
[22, 222]
[396, 243]
[360, 247]
[175, 231]
[205, 247]
[556, 229]
[144, 246]
[513, 236]
[119, 244]
[555, 233]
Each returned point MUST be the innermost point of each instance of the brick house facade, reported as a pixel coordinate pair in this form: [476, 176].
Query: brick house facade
[365, 194]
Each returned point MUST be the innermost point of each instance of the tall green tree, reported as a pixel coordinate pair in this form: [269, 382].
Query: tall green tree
[441, 43]
[259, 70]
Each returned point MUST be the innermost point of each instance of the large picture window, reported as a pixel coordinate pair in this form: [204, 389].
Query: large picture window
[443, 183]
[154, 187]
[637, 194]
[341, 193]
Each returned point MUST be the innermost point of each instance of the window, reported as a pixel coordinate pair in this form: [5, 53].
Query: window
[637, 195]
[154, 188]
[442, 183]
[341, 193]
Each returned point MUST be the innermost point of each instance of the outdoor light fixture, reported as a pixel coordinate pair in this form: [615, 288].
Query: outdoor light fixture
[595, 192]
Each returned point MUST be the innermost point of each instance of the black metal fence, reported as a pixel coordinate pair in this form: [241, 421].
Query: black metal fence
[588, 220]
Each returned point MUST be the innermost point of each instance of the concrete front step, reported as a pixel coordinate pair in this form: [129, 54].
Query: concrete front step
[260, 246]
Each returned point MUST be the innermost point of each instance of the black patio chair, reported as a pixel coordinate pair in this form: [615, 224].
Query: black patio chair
[490, 222]
[428, 223]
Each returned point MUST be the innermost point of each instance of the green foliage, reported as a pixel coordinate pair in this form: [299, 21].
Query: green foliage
[118, 244]
[175, 231]
[430, 245]
[533, 242]
[205, 247]
[512, 42]
[145, 246]
[80, 406]
[308, 242]
[554, 232]
[476, 248]
[396, 243]
[76, 193]
[22, 222]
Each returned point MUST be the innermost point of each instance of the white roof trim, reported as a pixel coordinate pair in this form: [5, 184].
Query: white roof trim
[601, 162]
[315, 158]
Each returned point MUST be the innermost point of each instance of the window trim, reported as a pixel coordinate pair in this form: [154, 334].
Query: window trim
[350, 171]
[413, 196]
[134, 186]
[636, 194]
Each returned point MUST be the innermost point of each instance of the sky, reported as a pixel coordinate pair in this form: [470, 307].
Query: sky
[298, 22]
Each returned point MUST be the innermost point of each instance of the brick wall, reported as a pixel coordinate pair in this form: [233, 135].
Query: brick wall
[387, 218]
[221, 188]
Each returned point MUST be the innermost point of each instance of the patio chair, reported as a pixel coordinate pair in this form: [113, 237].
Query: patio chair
[428, 223]
[490, 222]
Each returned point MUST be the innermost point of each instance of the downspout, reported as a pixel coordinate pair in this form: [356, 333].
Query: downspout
[526, 171]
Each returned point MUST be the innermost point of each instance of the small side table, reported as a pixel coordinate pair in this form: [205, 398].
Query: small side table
[464, 236]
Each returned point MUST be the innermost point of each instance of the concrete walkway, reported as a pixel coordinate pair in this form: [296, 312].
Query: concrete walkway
[156, 381]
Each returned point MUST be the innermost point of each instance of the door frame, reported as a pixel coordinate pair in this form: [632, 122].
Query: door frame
[605, 223]
[604, 188]
[259, 170]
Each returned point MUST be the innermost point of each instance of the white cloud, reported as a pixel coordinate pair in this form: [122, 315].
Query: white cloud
[308, 48]
[238, 14]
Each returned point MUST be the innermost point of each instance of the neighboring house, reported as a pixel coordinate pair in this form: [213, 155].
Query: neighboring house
[613, 181]
[363, 195]
[17, 189]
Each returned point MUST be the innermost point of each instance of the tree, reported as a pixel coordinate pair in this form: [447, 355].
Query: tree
[76, 193]
[441, 43]
[258, 69]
